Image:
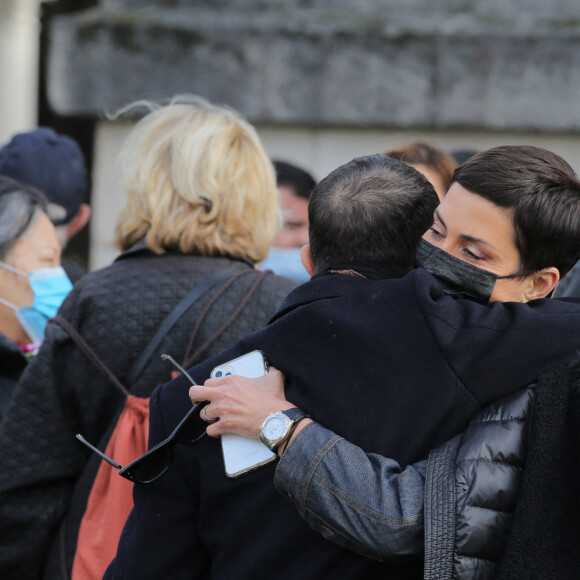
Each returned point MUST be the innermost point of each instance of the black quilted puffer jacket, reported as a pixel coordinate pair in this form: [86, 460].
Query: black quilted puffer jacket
[45, 477]
[570, 284]
[471, 490]
[501, 499]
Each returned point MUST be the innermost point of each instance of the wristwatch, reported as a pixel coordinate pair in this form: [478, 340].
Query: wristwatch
[276, 426]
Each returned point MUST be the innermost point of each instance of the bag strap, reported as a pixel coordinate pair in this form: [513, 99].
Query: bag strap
[89, 352]
[171, 319]
[166, 325]
[190, 359]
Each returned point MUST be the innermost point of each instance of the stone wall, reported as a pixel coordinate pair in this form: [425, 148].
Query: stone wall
[502, 65]
[324, 81]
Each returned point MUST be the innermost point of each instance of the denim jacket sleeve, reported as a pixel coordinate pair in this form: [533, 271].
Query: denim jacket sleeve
[363, 502]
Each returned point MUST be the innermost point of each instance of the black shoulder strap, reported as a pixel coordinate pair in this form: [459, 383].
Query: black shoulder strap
[189, 359]
[89, 352]
[171, 319]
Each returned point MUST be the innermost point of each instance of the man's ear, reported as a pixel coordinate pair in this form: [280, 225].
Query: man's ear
[541, 283]
[79, 221]
[307, 259]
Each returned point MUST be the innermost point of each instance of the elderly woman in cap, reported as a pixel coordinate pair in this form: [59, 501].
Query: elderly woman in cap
[54, 164]
[32, 283]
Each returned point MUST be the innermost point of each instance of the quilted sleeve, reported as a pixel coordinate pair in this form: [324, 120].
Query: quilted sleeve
[41, 459]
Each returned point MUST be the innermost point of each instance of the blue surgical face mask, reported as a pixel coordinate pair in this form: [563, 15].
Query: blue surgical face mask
[457, 277]
[286, 262]
[50, 287]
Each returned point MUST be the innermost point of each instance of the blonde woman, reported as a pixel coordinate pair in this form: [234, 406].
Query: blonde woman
[202, 208]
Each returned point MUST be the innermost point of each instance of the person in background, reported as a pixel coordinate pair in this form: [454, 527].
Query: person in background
[295, 186]
[434, 163]
[54, 164]
[462, 155]
[201, 211]
[32, 284]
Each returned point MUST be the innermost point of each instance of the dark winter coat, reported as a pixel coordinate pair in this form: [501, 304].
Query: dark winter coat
[569, 286]
[396, 367]
[501, 499]
[12, 365]
[45, 474]
[544, 535]
[471, 489]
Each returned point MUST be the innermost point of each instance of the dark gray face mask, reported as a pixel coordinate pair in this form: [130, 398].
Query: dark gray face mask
[457, 277]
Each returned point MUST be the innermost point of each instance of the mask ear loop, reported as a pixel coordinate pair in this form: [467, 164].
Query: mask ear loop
[20, 273]
[9, 304]
[13, 269]
[520, 274]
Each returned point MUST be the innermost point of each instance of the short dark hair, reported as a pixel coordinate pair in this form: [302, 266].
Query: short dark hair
[372, 210]
[300, 181]
[541, 193]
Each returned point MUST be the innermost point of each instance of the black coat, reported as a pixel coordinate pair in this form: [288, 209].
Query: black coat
[569, 286]
[471, 491]
[45, 473]
[396, 367]
[501, 499]
[12, 365]
[544, 535]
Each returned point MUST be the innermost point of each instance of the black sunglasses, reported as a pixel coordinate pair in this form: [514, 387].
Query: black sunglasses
[155, 462]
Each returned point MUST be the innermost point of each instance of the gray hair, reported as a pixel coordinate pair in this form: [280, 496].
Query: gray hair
[19, 205]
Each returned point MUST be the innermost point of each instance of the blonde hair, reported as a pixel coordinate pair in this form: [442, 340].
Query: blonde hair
[197, 179]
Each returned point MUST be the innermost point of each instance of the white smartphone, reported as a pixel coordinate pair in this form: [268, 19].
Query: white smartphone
[243, 454]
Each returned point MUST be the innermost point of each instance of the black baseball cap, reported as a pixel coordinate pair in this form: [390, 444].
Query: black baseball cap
[51, 162]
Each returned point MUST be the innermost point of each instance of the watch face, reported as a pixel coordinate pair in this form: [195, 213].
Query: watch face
[274, 428]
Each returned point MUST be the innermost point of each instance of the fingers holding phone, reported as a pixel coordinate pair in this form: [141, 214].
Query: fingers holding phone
[236, 399]
[241, 403]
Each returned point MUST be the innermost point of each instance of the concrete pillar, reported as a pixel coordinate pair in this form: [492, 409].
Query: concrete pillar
[19, 32]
